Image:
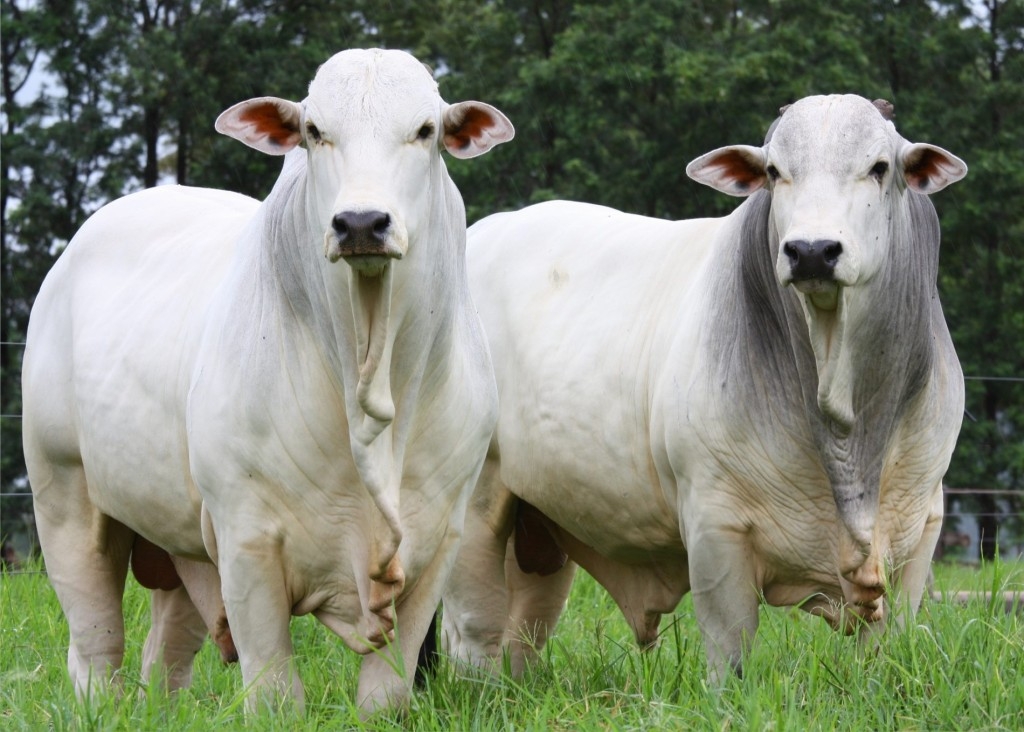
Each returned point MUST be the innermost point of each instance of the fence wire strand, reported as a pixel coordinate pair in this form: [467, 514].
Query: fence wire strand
[949, 492]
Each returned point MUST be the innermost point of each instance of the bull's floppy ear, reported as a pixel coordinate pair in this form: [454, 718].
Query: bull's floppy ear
[473, 128]
[737, 170]
[269, 124]
[928, 168]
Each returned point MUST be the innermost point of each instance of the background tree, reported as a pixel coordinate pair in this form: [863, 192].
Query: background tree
[610, 100]
[981, 109]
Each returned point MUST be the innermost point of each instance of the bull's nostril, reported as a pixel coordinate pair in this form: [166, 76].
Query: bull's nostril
[790, 251]
[340, 225]
[832, 252]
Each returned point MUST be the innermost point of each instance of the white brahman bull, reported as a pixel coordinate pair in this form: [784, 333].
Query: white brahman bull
[204, 378]
[761, 405]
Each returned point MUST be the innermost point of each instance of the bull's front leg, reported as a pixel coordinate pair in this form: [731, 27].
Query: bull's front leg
[387, 673]
[259, 612]
[725, 597]
[911, 577]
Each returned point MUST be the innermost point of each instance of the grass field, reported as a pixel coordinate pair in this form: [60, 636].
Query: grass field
[954, 668]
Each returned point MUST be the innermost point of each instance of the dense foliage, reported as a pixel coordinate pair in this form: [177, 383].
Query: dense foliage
[610, 100]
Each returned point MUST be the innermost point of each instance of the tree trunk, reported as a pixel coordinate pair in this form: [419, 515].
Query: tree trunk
[152, 133]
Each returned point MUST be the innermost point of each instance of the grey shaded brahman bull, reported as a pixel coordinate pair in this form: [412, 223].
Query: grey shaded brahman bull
[761, 405]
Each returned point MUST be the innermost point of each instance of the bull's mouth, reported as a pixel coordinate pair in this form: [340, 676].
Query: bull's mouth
[364, 254]
[374, 249]
[370, 264]
[823, 294]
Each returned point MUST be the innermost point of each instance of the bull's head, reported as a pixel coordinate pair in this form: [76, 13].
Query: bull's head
[834, 166]
[373, 126]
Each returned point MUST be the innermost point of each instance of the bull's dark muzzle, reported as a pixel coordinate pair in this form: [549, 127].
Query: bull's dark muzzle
[812, 260]
[364, 233]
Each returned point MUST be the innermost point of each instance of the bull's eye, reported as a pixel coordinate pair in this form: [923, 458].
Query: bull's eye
[425, 132]
[879, 169]
[313, 132]
[773, 173]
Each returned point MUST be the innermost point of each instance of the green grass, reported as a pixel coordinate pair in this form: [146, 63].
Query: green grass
[954, 668]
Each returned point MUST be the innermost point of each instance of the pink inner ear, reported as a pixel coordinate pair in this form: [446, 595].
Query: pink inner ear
[472, 126]
[737, 168]
[922, 167]
[266, 118]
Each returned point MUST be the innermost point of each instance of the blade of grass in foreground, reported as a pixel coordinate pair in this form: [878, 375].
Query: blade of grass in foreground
[953, 667]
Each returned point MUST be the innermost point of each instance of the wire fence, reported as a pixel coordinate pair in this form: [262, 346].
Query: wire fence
[959, 542]
[961, 536]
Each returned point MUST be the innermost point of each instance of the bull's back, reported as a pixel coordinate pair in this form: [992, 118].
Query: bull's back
[580, 304]
[111, 342]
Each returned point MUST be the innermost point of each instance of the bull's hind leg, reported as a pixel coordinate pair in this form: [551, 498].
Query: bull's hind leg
[175, 636]
[475, 598]
[535, 604]
[86, 557]
[202, 581]
[538, 576]
[186, 605]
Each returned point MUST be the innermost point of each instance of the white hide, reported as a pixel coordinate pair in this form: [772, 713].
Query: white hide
[200, 371]
[689, 419]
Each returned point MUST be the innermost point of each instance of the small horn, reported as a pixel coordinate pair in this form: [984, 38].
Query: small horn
[775, 123]
[885, 108]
